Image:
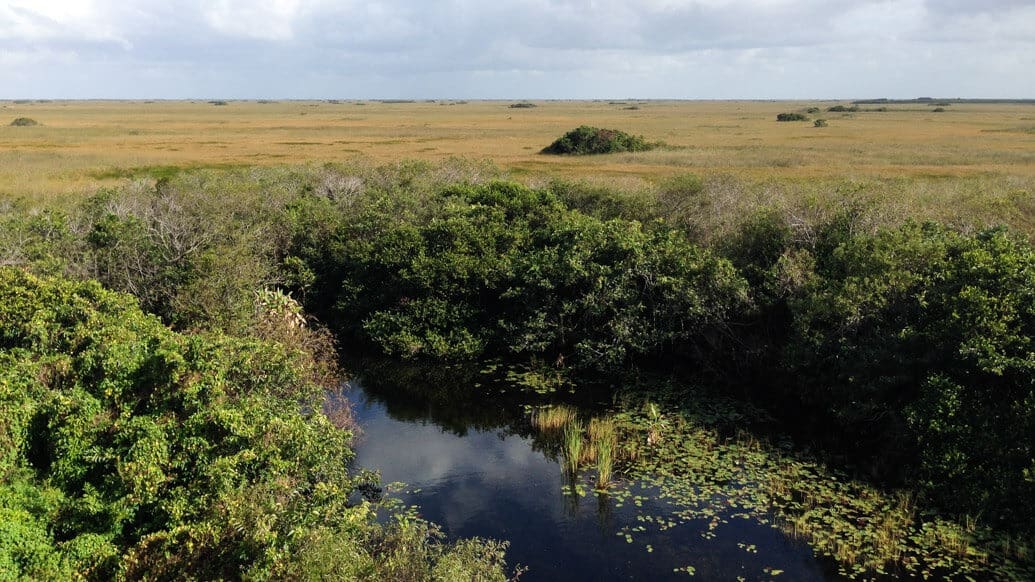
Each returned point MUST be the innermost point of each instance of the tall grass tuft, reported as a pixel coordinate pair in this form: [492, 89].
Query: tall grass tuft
[573, 444]
[605, 463]
[603, 439]
[552, 418]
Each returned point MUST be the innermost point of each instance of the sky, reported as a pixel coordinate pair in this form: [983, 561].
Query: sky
[516, 49]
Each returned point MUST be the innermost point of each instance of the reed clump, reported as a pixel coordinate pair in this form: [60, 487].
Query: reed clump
[573, 444]
[553, 418]
[603, 439]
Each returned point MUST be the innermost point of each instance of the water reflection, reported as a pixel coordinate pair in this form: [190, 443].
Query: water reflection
[480, 472]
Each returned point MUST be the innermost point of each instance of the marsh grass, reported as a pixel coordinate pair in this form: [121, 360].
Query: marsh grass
[573, 444]
[603, 438]
[553, 419]
[85, 138]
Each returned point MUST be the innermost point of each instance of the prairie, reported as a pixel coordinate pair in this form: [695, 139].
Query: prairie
[80, 145]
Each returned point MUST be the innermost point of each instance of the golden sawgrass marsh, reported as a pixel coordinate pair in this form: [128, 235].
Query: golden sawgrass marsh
[81, 145]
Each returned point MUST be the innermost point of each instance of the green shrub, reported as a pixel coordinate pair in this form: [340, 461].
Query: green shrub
[820, 123]
[523, 105]
[586, 140]
[24, 122]
[132, 452]
[843, 109]
[508, 271]
[791, 117]
[918, 342]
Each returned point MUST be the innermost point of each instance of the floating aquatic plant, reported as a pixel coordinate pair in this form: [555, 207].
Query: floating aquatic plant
[705, 476]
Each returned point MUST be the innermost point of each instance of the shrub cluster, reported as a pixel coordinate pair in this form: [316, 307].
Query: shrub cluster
[911, 346]
[792, 117]
[129, 451]
[586, 140]
[24, 122]
[502, 269]
[919, 341]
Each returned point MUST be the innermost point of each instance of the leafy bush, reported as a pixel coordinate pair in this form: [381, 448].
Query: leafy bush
[820, 123]
[505, 270]
[919, 341]
[129, 451]
[791, 117]
[843, 109]
[586, 140]
[523, 105]
[24, 122]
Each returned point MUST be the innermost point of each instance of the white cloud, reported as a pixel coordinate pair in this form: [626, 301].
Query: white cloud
[50, 20]
[547, 48]
[258, 19]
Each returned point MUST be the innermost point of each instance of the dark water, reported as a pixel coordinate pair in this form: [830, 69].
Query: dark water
[478, 471]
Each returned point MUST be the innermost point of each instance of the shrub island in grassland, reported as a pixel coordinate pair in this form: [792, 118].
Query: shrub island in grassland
[587, 140]
[24, 122]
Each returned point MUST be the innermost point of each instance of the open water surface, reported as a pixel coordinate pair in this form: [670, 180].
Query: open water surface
[482, 473]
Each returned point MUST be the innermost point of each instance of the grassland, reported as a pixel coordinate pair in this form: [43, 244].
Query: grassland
[80, 145]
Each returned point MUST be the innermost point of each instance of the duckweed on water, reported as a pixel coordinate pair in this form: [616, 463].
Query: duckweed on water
[704, 476]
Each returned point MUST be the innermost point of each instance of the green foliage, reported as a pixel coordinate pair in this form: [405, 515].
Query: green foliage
[920, 339]
[24, 122]
[130, 451]
[41, 240]
[586, 140]
[605, 202]
[792, 117]
[819, 123]
[843, 109]
[505, 270]
[186, 254]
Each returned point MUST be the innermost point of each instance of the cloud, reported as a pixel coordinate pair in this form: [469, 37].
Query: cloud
[540, 48]
[260, 19]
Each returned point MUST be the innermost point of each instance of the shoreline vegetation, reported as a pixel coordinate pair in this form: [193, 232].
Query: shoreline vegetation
[155, 330]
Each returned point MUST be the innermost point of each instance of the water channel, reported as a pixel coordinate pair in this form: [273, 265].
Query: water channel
[479, 471]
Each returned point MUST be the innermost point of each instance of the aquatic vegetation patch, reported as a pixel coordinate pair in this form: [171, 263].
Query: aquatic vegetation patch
[710, 478]
[573, 444]
[553, 418]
